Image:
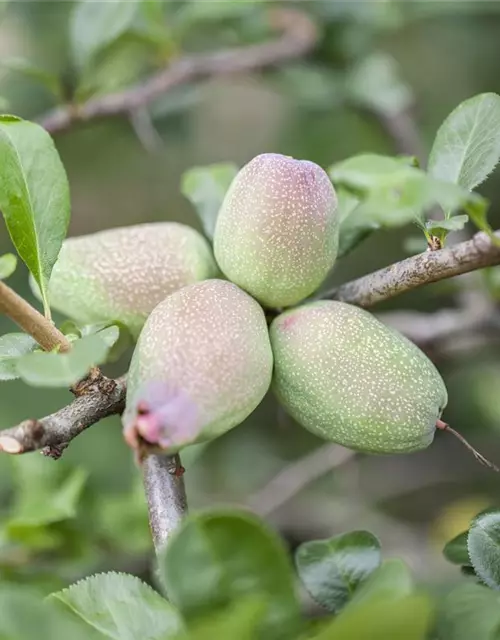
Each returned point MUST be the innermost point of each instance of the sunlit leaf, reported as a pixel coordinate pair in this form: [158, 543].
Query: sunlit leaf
[467, 145]
[121, 607]
[8, 264]
[12, 347]
[449, 224]
[368, 170]
[206, 187]
[394, 192]
[34, 196]
[64, 369]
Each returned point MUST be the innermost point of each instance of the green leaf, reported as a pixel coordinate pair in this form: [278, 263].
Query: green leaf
[26, 68]
[455, 551]
[381, 620]
[218, 557]
[116, 336]
[96, 24]
[333, 569]
[121, 607]
[206, 187]
[375, 83]
[53, 499]
[347, 203]
[34, 196]
[24, 616]
[12, 347]
[241, 621]
[483, 544]
[8, 264]
[449, 224]
[354, 228]
[65, 369]
[467, 145]
[116, 64]
[369, 170]
[391, 581]
[153, 11]
[394, 192]
[469, 612]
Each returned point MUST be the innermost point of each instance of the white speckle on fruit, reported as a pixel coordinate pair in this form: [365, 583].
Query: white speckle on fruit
[347, 377]
[277, 230]
[209, 340]
[124, 273]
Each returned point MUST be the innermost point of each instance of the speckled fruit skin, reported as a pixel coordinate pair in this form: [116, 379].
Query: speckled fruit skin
[277, 230]
[123, 273]
[348, 378]
[210, 341]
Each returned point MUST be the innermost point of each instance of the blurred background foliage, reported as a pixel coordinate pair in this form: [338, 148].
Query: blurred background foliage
[86, 513]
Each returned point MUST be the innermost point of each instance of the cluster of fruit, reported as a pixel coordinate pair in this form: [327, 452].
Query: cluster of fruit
[205, 356]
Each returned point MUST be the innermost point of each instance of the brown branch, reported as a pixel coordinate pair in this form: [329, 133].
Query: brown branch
[432, 266]
[31, 320]
[102, 398]
[299, 36]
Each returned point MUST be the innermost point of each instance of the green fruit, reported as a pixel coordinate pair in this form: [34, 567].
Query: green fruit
[348, 378]
[202, 364]
[277, 230]
[123, 273]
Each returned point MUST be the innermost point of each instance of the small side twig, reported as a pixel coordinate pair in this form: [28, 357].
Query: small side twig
[53, 433]
[432, 266]
[298, 36]
[31, 321]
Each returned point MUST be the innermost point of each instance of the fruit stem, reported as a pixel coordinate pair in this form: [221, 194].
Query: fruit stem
[480, 458]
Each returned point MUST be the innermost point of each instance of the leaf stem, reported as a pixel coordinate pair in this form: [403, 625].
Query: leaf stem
[31, 321]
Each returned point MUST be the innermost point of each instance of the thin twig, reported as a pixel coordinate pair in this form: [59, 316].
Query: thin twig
[31, 321]
[299, 36]
[166, 495]
[432, 266]
[294, 477]
[102, 398]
